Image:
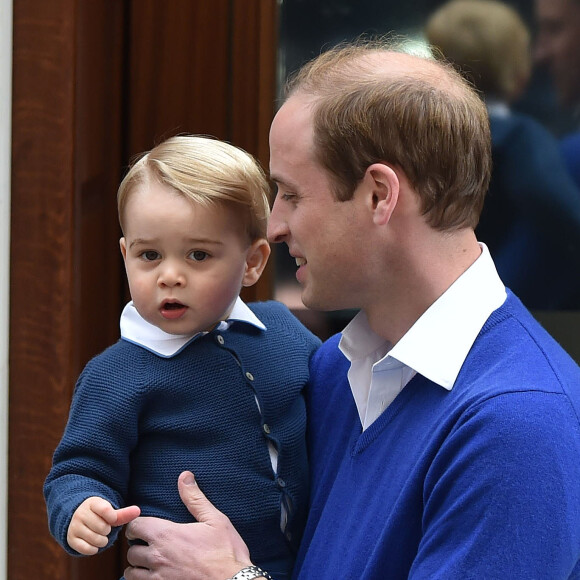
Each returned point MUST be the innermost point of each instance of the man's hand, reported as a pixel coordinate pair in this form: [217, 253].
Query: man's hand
[209, 549]
[92, 523]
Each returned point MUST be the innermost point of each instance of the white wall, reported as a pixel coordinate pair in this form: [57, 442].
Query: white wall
[5, 141]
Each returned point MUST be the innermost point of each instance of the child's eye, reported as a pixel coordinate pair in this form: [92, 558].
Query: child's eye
[150, 255]
[199, 255]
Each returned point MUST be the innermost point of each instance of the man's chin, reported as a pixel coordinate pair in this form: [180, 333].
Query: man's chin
[320, 303]
[310, 301]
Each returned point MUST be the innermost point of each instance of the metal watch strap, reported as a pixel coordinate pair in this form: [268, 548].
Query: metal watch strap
[250, 573]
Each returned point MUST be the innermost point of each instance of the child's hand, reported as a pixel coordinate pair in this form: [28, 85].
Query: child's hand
[92, 522]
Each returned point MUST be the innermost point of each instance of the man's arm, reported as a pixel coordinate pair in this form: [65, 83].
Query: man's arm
[210, 549]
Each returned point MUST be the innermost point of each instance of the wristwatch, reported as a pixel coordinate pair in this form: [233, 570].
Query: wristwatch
[250, 573]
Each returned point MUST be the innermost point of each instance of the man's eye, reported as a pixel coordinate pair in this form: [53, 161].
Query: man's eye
[288, 196]
[150, 255]
[199, 255]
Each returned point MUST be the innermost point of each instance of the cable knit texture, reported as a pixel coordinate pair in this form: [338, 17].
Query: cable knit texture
[138, 420]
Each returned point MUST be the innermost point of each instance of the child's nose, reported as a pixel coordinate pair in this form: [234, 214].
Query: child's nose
[171, 275]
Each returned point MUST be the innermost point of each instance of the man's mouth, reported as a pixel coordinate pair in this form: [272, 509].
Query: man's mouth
[300, 261]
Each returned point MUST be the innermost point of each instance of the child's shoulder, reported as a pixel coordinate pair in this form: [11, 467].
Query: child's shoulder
[269, 306]
[117, 353]
[122, 368]
[277, 315]
[273, 311]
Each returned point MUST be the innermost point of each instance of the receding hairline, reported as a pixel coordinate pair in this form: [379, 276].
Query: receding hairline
[397, 66]
[360, 63]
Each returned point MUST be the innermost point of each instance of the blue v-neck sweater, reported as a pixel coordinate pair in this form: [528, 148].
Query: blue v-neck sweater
[138, 420]
[480, 482]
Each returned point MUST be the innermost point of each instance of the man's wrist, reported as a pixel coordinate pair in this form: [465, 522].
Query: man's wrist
[251, 573]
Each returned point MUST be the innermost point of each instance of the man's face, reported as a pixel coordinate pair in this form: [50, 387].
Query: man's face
[322, 234]
[558, 46]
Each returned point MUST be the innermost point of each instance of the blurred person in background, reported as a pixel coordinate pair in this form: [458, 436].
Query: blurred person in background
[558, 50]
[531, 217]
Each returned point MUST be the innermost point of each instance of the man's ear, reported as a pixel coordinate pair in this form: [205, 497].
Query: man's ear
[384, 187]
[123, 246]
[256, 260]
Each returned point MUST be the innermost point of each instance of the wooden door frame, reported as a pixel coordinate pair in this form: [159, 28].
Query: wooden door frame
[69, 136]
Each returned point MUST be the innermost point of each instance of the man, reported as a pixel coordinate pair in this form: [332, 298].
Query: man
[558, 49]
[558, 46]
[444, 430]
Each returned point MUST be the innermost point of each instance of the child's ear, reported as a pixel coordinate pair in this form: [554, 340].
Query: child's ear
[256, 260]
[123, 246]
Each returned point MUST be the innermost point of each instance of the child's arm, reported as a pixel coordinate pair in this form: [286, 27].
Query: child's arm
[92, 523]
[93, 456]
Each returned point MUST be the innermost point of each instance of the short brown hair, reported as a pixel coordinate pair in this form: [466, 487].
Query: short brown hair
[206, 171]
[426, 120]
[487, 40]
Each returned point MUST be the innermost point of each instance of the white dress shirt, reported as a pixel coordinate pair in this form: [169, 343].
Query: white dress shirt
[136, 329]
[435, 346]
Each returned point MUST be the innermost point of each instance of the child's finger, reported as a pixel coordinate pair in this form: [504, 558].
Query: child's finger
[114, 517]
[82, 547]
[102, 516]
[126, 515]
[85, 541]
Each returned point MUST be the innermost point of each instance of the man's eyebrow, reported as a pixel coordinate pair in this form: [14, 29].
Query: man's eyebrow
[281, 181]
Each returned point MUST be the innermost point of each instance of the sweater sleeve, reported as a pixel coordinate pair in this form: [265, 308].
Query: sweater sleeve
[501, 498]
[92, 458]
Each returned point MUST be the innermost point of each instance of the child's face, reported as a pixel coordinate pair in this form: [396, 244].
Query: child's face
[185, 263]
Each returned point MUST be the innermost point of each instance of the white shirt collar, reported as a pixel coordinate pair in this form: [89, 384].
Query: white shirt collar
[136, 329]
[438, 343]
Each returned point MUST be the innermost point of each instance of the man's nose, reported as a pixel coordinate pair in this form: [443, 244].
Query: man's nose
[277, 227]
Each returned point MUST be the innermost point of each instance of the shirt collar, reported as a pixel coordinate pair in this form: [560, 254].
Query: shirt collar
[438, 343]
[137, 330]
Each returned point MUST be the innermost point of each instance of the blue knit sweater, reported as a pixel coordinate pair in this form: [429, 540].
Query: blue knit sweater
[138, 420]
[480, 482]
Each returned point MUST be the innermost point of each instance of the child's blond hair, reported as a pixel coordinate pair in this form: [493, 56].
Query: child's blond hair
[207, 171]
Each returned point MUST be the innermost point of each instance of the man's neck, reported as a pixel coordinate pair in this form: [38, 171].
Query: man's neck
[429, 272]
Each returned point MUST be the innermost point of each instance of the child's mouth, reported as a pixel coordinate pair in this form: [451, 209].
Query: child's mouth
[173, 310]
